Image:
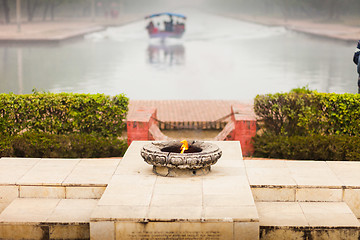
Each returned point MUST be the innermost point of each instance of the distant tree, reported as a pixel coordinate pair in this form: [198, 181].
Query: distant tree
[6, 9]
[51, 4]
[31, 6]
[332, 6]
[86, 8]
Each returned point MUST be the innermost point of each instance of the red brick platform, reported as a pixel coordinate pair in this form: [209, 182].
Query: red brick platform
[142, 121]
[191, 114]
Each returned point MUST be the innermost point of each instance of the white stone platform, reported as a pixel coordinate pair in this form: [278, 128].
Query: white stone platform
[305, 181]
[138, 204]
[54, 178]
[34, 218]
[307, 220]
[123, 199]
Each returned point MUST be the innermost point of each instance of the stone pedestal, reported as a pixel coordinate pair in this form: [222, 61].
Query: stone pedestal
[138, 204]
[169, 161]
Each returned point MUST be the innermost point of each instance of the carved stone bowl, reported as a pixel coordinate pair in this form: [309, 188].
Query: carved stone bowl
[168, 161]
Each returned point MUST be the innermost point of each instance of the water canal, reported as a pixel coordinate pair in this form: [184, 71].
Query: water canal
[218, 58]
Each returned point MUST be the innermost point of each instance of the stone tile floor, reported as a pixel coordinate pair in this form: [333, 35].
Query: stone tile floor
[287, 198]
[307, 220]
[43, 218]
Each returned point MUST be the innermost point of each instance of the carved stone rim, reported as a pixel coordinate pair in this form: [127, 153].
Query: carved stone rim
[204, 154]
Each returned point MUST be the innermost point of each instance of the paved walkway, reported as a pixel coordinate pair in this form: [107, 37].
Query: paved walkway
[59, 30]
[329, 30]
[46, 31]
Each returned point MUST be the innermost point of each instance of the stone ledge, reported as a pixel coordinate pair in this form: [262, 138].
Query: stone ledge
[222, 197]
[295, 220]
[29, 218]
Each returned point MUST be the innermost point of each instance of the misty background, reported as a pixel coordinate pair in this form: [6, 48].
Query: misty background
[340, 11]
[219, 57]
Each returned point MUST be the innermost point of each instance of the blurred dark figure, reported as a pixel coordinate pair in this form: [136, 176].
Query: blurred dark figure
[169, 25]
[179, 27]
[99, 8]
[114, 13]
[357, 62]
[150, 27]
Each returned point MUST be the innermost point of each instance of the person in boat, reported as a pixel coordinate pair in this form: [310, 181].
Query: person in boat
[182, 27]
[156, 28]
[150, 27]
[356, 60]
[169, 25]
[179, 27]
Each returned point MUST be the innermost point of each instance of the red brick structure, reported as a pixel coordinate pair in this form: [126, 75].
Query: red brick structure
[142, 125]
[242, 127]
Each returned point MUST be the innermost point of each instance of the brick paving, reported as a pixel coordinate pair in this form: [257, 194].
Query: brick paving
[195, 113]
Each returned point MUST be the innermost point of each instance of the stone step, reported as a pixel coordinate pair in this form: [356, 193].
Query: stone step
[39, 218]
[307, 220]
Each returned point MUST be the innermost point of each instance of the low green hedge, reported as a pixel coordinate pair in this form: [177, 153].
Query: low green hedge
[314, 147]
[63, 113]
[305, 124]
[45, 145]
[302, 112]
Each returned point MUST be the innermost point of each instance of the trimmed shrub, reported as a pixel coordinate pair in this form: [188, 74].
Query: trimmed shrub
[304, 124]
[314, 147]
[45, 145]
[308, 112]
[63, 113]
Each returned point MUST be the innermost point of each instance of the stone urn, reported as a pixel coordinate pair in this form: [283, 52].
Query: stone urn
[167, 159]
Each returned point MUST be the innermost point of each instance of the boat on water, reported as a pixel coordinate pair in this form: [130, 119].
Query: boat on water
[166, 25]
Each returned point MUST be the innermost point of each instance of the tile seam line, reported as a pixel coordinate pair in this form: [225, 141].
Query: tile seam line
[292, 177]
[17, 181]
[202, 216]
[337, 177]
[53, 211]
[63, 182]
[114, 172]
[302, 210]
[151, 200]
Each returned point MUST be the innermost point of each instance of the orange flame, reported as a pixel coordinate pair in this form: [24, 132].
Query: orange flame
[184, 147]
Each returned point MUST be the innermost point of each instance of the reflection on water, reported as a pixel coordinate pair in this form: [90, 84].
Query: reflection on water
[20, 70]
[166, 54]
[220, 58]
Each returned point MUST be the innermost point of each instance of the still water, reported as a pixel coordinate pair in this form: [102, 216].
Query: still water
[218, 58]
